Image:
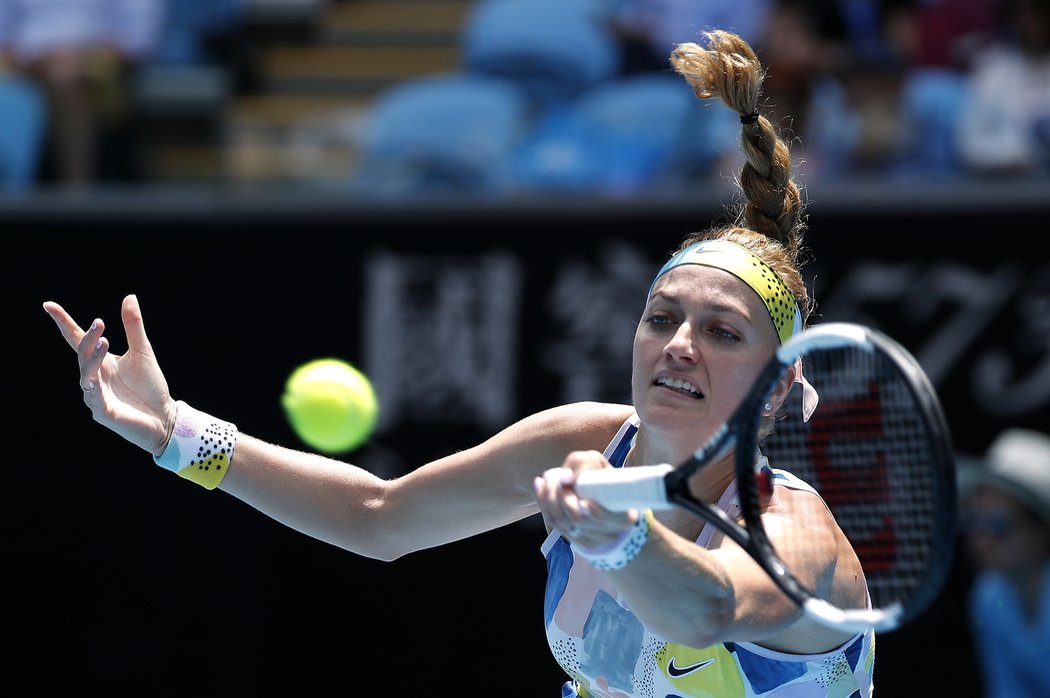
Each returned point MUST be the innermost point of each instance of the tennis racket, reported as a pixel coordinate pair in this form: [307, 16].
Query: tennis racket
[877, 449]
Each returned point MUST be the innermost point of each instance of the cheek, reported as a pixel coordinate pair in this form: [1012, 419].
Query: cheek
[640, 367]
[729, 380]
[730, 383]
[647, 352]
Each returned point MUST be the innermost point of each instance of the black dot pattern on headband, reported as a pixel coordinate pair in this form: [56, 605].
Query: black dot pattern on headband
[778, 299]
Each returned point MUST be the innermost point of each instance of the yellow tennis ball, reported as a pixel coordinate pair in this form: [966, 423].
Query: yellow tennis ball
[331, 405]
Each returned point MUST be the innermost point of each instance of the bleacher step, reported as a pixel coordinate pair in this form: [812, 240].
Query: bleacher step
[388, 22]
[350, 70]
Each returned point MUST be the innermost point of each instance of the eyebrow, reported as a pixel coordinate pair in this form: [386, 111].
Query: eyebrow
[712, 306]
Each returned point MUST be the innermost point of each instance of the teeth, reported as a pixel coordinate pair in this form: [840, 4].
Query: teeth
[679, 384]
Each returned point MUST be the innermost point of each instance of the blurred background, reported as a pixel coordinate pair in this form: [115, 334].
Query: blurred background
[467, 199]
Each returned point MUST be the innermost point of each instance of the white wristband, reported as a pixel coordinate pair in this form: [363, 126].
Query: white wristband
[200, 448]
[617, 554]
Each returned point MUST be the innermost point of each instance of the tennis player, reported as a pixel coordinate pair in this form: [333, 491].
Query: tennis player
[637, 603]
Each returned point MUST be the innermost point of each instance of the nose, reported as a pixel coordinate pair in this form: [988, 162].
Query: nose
[681, 346]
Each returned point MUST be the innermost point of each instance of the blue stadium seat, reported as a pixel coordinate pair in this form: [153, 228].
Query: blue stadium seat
[448, 132]
[554, 49]
[23, 129]
[931, 101]
[621, 136]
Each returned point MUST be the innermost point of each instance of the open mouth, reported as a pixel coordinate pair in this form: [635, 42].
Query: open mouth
[680, 385]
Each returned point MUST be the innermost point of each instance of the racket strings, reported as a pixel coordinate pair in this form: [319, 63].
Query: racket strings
[867, 451]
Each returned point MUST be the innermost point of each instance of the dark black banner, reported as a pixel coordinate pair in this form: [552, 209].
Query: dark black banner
[466, 318]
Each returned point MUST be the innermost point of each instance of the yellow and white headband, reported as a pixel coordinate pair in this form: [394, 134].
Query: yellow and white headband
[748, 267]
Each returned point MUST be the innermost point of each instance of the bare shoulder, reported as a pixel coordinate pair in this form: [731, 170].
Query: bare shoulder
[797, 507]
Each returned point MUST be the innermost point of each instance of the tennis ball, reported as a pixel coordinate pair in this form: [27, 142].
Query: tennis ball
[330, 405]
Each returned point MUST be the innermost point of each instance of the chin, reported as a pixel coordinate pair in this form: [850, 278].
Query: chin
[677, 418]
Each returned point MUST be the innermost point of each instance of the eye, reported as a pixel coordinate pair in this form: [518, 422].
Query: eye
[658, 321]
[725, 335]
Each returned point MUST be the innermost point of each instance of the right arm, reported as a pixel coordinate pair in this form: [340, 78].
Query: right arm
[454, 497]
[451, 498]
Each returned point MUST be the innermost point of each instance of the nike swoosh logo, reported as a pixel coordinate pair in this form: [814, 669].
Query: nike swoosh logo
[676, 671]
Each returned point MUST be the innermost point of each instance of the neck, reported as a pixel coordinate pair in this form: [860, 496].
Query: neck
[708, 483]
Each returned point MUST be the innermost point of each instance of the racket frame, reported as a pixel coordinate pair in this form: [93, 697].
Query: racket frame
[665, 486]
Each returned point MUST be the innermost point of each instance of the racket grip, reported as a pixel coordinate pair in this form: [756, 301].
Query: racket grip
[621, 489]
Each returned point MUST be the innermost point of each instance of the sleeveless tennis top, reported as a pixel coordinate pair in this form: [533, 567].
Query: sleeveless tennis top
[609, 653]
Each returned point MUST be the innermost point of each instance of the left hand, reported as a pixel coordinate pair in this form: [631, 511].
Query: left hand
[126, 393]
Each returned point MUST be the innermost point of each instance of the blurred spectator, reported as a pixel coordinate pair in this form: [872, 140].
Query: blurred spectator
[826, 62]
[1006, 531]
[884, 81]
[938, 40]
[83, 53]
[804, 44]
[945, 34]
[1005, 123]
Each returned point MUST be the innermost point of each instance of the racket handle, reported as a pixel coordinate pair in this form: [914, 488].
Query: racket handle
[621, 489]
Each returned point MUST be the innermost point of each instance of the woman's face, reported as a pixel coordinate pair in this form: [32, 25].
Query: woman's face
[1000, 534]
[703, 339]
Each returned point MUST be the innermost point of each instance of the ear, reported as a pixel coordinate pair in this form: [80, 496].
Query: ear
[780, 393]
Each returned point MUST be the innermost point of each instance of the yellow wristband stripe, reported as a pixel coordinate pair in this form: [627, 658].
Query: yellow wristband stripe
[201, 447]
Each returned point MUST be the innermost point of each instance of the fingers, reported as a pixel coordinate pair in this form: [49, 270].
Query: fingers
[578, 519]
[131, 315]
[557, 500]
[92, 350]
[90, 345]
[70, 330]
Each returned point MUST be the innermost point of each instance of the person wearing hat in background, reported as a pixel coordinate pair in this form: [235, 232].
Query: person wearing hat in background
[1005, 510]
